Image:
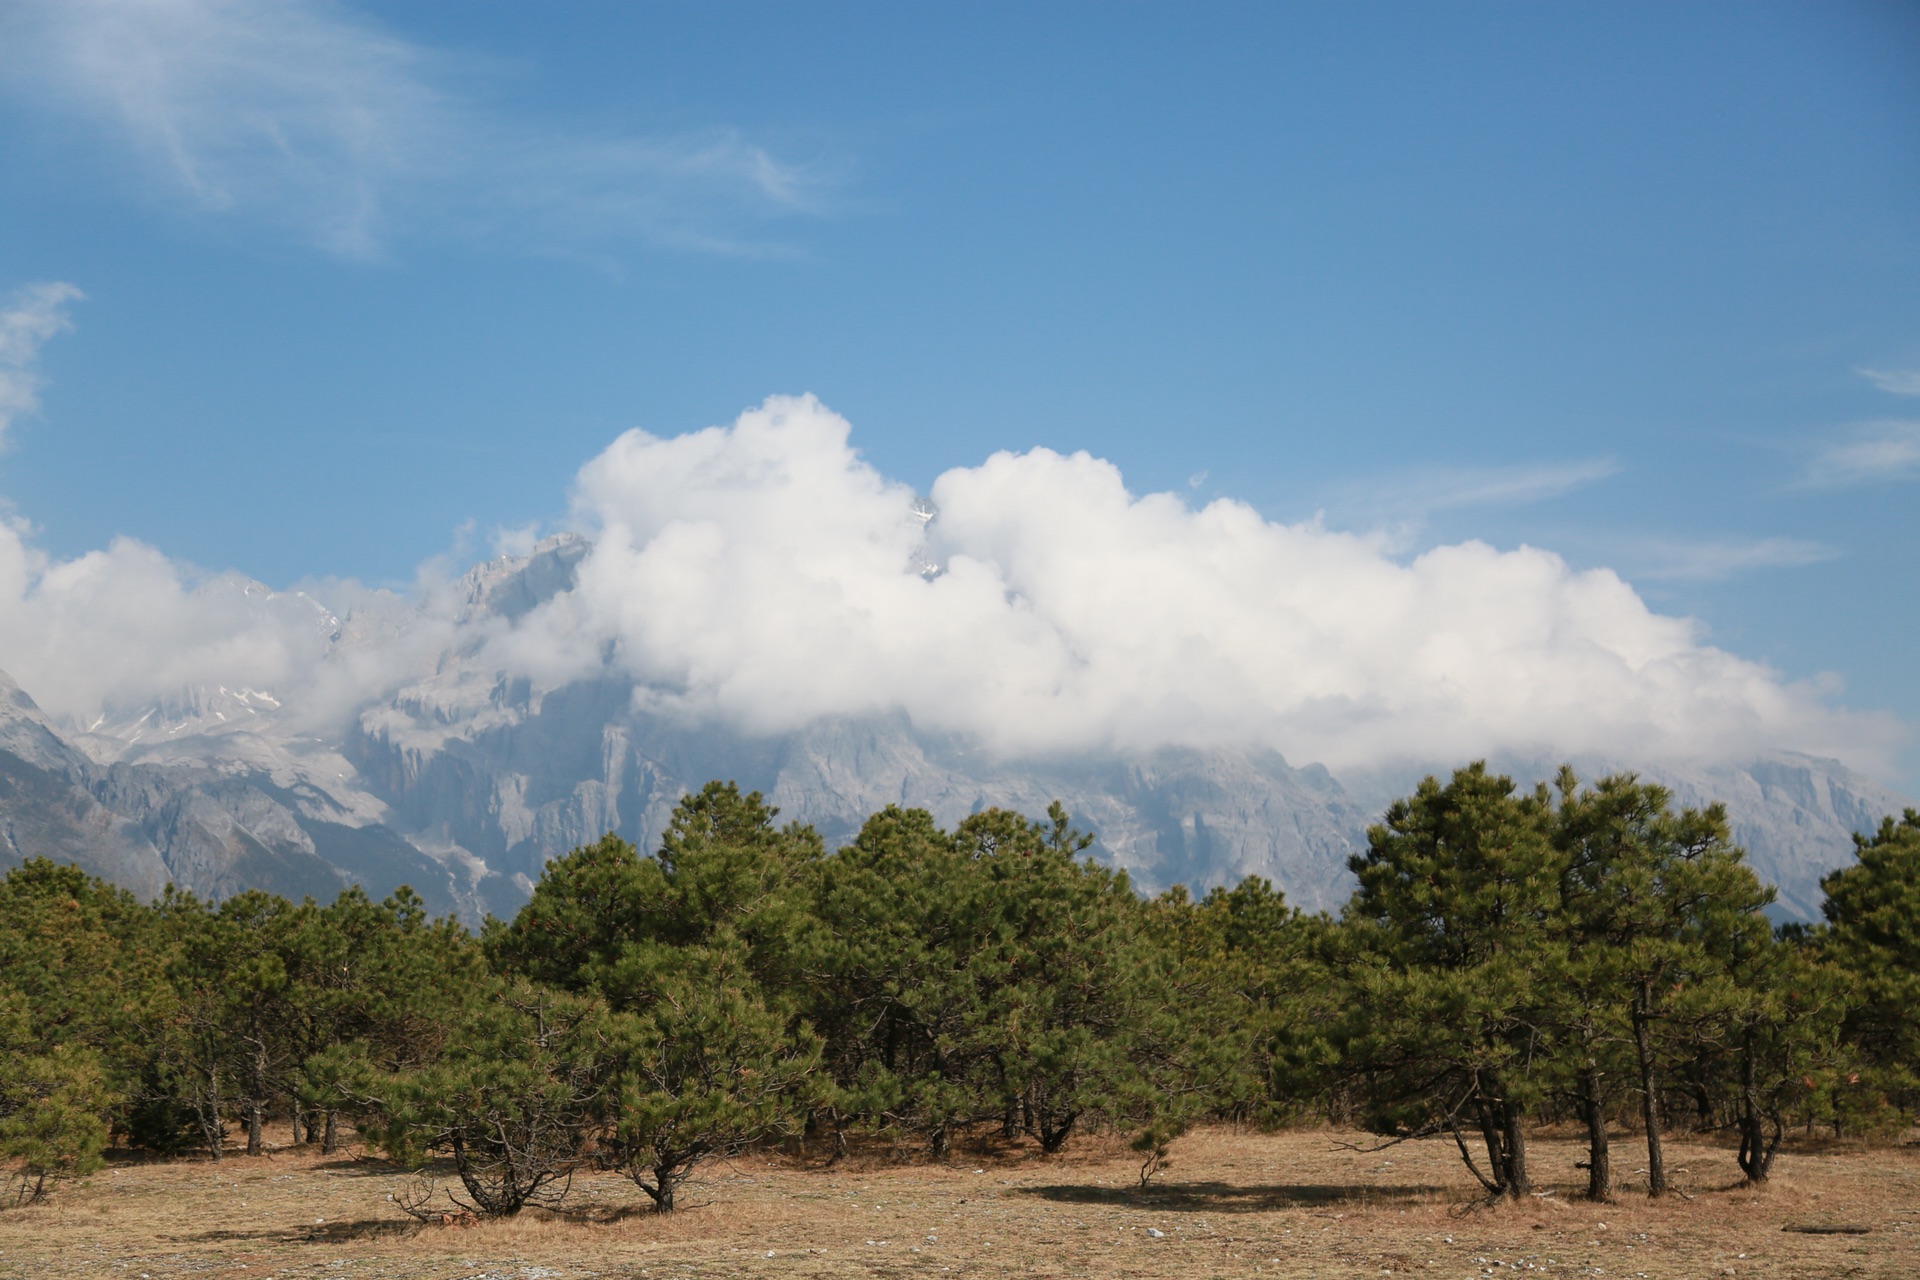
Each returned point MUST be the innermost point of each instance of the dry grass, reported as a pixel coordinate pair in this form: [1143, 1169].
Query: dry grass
[1290, 1205]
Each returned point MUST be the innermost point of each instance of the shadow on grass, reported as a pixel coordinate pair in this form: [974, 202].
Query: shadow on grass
[328, 1233]
[1222, 1197]
[368, 1166]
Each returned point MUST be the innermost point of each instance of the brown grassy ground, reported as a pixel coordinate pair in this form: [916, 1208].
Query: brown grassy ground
[1287, 1205]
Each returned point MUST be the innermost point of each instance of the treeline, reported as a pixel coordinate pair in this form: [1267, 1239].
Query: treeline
[1581, 955]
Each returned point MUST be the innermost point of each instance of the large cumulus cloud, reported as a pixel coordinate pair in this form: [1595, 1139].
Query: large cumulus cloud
[766, 575]
[763, 575]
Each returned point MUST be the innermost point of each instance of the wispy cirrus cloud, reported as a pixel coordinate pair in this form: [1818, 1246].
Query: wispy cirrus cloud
[1399, 505]
[302, 115]
[1716, 559]
[1510, 486]
[1869, 452]
[1899, 382]
[1874, 451]
[28, 317]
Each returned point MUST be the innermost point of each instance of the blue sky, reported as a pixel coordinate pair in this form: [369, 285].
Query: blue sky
[364, 283]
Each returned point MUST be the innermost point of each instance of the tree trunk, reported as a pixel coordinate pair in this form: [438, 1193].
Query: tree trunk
[1514, 1115]
[256, 1100]
[1599, 1163]
[206, 1106]
[1054, 1131]
[1488, 1113]
[666, 1180]
[1466, 1158]
[1756, 1147]
[329, 1138]
[839, 1138]
[1649, 1090]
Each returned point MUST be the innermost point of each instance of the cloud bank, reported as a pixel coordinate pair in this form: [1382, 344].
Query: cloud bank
[763, 575]
[298, 114]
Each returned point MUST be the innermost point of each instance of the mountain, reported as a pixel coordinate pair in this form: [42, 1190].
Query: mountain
[47, 806]
[216, 826]
[462, 781]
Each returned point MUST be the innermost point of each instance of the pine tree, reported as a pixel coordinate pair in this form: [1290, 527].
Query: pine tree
[698, 952]
[895, 997]
[1872, 933]
[1653, 900]
[1455, 910]
[1064, 978]
[52, 1118]
[516, 1098]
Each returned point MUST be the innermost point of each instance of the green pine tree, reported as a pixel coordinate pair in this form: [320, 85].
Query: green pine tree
[1451, 1024]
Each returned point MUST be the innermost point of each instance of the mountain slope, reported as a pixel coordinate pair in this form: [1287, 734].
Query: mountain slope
[214, 828]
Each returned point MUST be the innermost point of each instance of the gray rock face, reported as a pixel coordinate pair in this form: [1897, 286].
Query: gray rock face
[214, 828]
[582, 765]
[1794, 815]
[463, 782]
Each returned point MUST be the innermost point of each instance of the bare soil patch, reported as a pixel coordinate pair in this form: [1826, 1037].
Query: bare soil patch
[1233, 1204]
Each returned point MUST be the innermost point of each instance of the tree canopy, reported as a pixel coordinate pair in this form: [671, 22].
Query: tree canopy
[1577, 952]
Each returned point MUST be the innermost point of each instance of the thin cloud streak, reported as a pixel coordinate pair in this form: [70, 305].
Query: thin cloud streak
[1874, 452]
[1418, 494]
[1514, 486]
[1716, 560]
[1398, 507]
[1899, 382]
[302, 116]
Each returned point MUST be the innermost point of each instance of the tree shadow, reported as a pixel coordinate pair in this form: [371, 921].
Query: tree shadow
[1222, 1197]
[327, 1233]
[377, 1166]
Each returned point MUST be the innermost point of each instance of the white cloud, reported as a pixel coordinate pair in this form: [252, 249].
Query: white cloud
[516, 540]
[1899, 382]
[299, 113]
[114, 631]
[125, 625]
[27, 319]
[763, 574]
[1873, 452]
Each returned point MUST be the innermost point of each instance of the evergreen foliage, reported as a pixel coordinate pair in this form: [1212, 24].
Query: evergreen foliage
[1873, 935]
[1455, 915]
[1581, 952]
